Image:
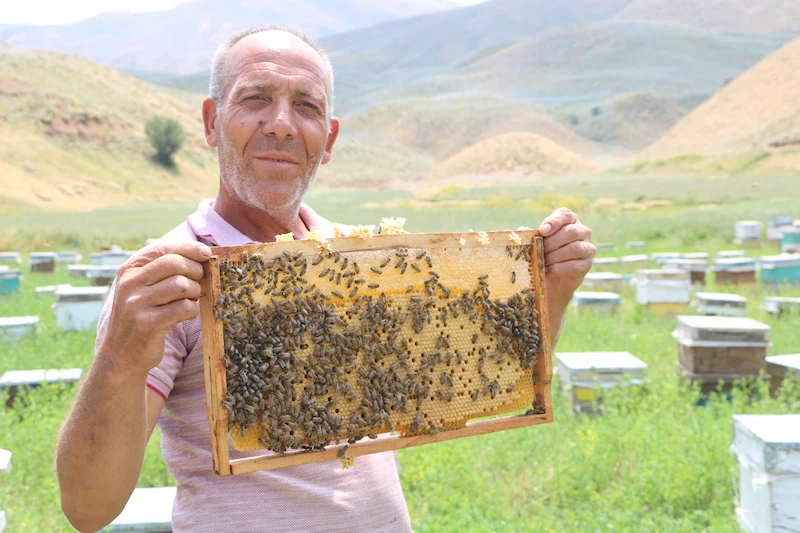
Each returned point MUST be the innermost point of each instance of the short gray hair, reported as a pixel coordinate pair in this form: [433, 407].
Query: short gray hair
[219, 73]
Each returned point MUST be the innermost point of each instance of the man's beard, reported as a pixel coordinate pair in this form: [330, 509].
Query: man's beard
[243, 180]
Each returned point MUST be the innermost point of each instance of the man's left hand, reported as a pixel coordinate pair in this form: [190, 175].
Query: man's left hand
[568, 253]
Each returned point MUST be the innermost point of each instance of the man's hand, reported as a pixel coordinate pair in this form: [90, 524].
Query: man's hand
[155, 289]
[568, 253]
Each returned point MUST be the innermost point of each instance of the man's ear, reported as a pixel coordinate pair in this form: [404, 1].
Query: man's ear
[210, 121]
[332, 134]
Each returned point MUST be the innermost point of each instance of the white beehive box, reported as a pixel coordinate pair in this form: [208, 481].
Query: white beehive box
[661, 258]
[710, 330]
[734, 264]
[720, 303]
[42, 257]
[605, 246]
[779, 367]
[726, 254]
[11, 257]
[608, 302]
[148, 510]
[776, 305]
[696, 255]
[96, 258]
[663, 286]
[776, 224]
[5, 468]
[18, 378]
[79, 271]
[747, 230]
[635, 260]
[689, 265]
[14, 328]
[768, 450]
[51, 289]
[68, 258]
[115, 258]
[4, 268]
[102, 274]
[581, 373]
[78, 308]
[603, 280]
[636, 245]
[603, 263]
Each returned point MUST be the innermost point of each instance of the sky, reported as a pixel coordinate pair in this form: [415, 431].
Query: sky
[64, 12]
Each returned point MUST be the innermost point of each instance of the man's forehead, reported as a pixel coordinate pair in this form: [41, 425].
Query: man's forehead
[274, 46]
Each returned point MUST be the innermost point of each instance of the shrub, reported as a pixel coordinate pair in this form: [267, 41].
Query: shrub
[166, 137]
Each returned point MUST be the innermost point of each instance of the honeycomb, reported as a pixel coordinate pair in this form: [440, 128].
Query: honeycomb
[344, 345]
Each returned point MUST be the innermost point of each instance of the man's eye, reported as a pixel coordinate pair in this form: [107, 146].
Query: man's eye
[254, 97]
[309, 105]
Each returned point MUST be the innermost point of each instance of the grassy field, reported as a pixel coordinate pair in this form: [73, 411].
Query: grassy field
[653, 461]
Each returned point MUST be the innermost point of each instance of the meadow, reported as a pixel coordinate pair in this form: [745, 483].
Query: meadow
[653, 460]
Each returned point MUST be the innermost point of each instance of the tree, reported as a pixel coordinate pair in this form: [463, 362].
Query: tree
[166, 136]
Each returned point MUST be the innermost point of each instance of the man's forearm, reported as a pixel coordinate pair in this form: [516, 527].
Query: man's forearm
[101, 447]
[557, 312]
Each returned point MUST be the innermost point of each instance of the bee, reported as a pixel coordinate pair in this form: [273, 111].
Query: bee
[337, 294]
[385, 262]
[409, 288]
[513, 277]
[376, 270]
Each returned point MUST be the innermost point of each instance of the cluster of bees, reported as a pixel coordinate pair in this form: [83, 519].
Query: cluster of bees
[316, 352]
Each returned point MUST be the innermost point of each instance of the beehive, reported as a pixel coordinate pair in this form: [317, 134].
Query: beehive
[768, 450]
[636, 245]
[777, 305]
[605, 246]
[43, 261]
[775, 226]
[311, 344]
[5, 468]
[721, 345]
[696, 255]
[781, 366]
[13, 380]
[9, 281]
[596, 302]
[581, 373]
[634, 261]
[102, 275]
[11, 257]
[68, 258]
[695, 267]
[661, 258]
[784, 268]
[727, 254]
[663, 291]
[605, 263]
[741, 270]
[147, 510]
[14, 328]
[51, 289]
[603, 280]
[79, 271]
[747, 233]
[720, 304]
[79, 308]
[790, 239]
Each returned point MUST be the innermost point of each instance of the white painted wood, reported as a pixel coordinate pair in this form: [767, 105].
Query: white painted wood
[663, 286]
[11, 257]
[14, 328]
[725, 254]
[148, 510]
[36, 258]
[68, 258]
[747, 230]
[738, 331]
[720, 304]
[603, 369]
[78, 308]
[5, 461]
[15, 378]
[775, 304]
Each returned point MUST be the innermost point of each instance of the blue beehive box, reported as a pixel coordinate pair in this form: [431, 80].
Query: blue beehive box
[784, 268]
[9, 281]
[790, 239]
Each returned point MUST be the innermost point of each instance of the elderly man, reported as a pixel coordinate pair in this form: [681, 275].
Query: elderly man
[269, 115]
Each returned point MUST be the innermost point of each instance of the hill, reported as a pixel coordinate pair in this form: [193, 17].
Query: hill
[73, 136]
[182, 40]
[513, 153]
[442, 126]
[757, 111]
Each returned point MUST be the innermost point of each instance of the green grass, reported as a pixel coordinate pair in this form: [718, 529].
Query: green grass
[653, 461]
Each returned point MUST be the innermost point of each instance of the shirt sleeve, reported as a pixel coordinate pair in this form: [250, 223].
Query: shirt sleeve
[162, 377]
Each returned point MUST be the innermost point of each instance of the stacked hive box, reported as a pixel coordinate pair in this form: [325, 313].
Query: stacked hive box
[747, 233]
[14, 328]
[777, 305]
[603, 280]
[78, 308]
[663, 291]
[790, 242]
[5, 468]
[582, 373]
[713, 349]
[102, 275]
[695, 267]
[775, 226]
[719, 304]
[9, 281]
[596, 302]
[779, 367]
[79, 271]
[784, 268]
[736, 270]
[43, 261]
[768, 450]
[68, 258]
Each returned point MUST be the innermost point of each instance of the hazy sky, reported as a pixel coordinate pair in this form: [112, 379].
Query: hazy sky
[63, 12]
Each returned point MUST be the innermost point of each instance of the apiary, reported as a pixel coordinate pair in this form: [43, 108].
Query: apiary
[781, 366]
[784, 268]
[663, 291]
[11, 257]
[79, 271]
[719, 304]
[9, 281]
[634, 261]
[148, 510]
[605, 246]
[661, 258]
[791, 239]
[768, 450]
[68, 258]
[775, 226]
[603, 280]
[14, 328]
[316, 343]
[596, 302]
[78, 308]
[777, 305]
[13, 380]
[747, 233]
[636, 245]
[42, 261]
[721, 345]
[605, 263]
[695, 267]
[102, 275]
[736, 270]
[582, 373]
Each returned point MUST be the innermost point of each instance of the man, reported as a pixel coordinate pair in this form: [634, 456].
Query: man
[269, 115]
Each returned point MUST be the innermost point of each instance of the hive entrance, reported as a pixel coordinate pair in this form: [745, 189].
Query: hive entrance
[335, 346]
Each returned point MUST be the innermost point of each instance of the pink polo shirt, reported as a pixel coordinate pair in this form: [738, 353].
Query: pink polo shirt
[319, 497]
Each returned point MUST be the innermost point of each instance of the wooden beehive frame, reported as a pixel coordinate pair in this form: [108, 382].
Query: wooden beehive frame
[214, 349]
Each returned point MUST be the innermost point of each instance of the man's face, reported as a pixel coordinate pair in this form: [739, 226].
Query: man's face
[275, 78]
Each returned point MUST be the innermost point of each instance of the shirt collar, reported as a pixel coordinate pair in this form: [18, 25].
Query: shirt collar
[208, 225]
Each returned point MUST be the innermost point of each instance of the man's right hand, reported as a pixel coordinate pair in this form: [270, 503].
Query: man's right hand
[156, 289]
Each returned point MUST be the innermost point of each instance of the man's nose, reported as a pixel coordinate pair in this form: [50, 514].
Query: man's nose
[280, 122]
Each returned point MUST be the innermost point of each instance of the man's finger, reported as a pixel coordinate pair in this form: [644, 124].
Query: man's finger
[554, 222]
[570, 269]
[196, 251]
[574, 250]
[565, 235]
[170, 265]
[172, 289]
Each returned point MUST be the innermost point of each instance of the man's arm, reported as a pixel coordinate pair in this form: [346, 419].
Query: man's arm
[101, 445]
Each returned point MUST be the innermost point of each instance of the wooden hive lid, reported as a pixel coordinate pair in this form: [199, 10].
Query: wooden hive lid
[8, 321]
[768, 443]
[720, 297]
[13, 378]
